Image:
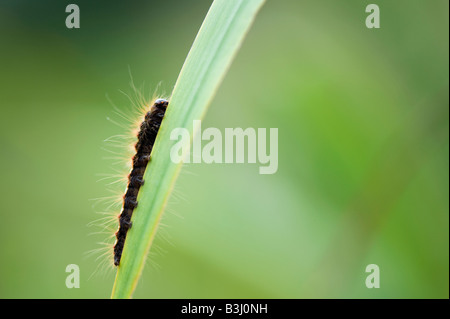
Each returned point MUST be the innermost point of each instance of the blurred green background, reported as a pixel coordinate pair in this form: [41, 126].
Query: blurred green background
[363, 150]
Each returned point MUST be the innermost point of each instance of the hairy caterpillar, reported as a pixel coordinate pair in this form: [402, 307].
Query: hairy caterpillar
[129, 153]
[146, 138]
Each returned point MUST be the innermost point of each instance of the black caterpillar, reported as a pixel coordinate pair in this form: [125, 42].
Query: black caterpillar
[146, 139]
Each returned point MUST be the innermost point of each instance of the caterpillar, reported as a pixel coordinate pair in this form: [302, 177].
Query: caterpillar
[145, 140]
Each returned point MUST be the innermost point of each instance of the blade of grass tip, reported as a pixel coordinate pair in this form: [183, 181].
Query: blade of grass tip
[211, 54]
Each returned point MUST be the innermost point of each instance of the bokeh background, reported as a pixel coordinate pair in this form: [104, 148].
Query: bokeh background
[363, 150]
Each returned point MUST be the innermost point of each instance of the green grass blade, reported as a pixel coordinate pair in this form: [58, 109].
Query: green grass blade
[217, 42]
